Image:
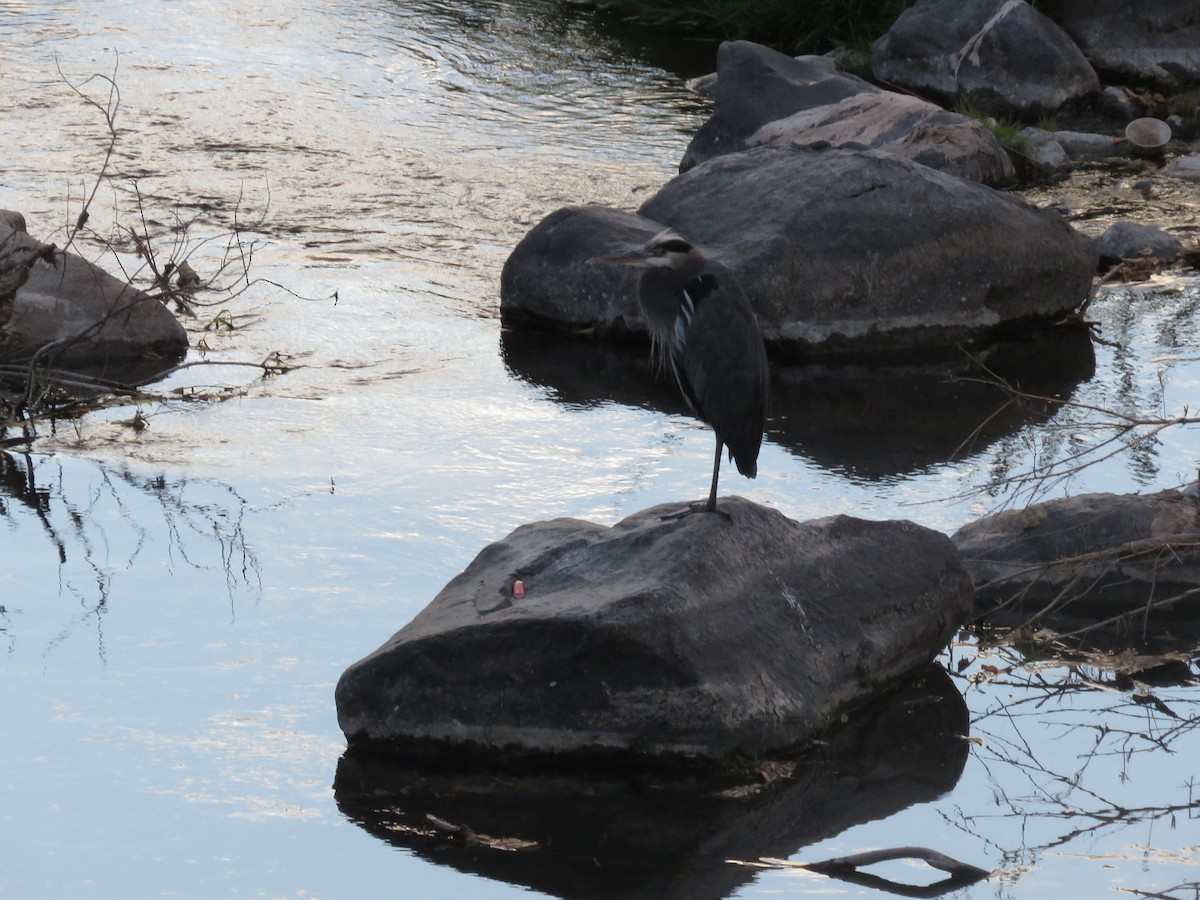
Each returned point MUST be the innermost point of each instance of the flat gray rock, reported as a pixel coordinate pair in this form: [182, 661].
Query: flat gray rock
[695, 637]
[901, 124]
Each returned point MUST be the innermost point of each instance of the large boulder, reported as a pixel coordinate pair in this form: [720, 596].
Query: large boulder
[842, 253]
[1001, 56]
[765, 97]
[1091, 557]
[1139, 42]
[71, 312]
[659, 638]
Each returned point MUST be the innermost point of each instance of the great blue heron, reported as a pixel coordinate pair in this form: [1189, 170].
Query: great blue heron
[702, 324]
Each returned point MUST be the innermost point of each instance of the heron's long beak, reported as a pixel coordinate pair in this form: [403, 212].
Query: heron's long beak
[639, 258]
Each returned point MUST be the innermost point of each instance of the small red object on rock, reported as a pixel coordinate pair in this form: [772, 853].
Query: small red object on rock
[518, 590]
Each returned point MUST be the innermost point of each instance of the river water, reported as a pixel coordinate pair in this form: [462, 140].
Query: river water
[178, 601]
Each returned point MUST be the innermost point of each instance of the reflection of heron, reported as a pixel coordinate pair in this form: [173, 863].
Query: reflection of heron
[701, 321]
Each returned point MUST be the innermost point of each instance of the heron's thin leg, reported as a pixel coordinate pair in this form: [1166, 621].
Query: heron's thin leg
[712, 494]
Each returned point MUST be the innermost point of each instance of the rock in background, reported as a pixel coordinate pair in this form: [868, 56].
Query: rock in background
[764, 97]
[1140, 42]
[1000, 56]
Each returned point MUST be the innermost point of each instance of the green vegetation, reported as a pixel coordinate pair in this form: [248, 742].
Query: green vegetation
[793, 26]
[1007, 131]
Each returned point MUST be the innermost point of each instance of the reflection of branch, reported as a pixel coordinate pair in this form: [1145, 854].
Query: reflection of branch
[846, 868]
[1138, 724]
[1187, 889]
[83, 537]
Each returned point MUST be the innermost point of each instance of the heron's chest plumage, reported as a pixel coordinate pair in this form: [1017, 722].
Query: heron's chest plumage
[691, 300]
[691, 296]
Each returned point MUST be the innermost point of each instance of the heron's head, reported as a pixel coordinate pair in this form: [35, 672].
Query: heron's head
[666, 250]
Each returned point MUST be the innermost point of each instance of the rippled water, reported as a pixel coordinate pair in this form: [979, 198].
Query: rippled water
[176, 603]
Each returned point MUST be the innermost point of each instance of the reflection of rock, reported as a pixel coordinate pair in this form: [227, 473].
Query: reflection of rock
[1091, 557]
[867, 421]
[659, 638]
[17, 482]
[876, 421]
[85, 315]
[607, 835]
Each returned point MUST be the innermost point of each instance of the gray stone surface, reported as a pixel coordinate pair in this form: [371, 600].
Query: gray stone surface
[1185, 167]
[901, 124]
[764, 97]
[1001, 56]
[696, 637]
[756, 85]
[1042, 155]
[1083, 146]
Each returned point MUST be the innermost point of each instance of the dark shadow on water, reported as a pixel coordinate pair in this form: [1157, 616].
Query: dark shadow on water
[864, 421]
[613, 835]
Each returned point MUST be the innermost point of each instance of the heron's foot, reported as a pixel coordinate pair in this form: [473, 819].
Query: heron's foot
[699, 506]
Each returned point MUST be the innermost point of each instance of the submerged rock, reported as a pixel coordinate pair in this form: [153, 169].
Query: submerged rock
[1129, 240]
[74, 313]
[842, 253]
[1092, 556]
[694, 637]
[1001, 56]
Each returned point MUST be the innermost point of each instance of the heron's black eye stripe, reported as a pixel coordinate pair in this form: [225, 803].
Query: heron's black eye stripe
[675, 245]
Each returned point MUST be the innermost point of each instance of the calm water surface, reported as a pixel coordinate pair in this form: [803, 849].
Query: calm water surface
[177, 603]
